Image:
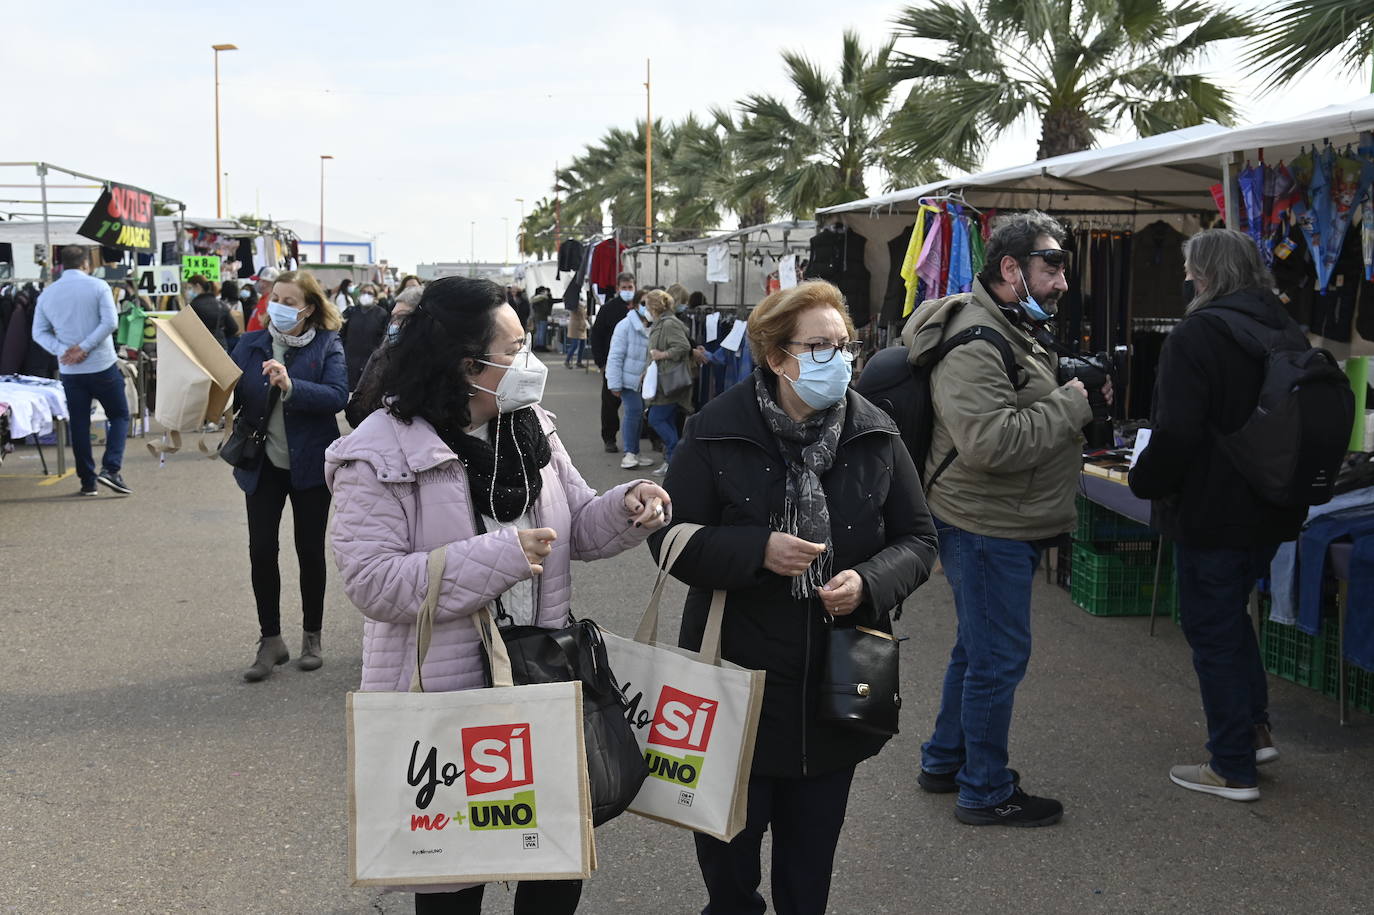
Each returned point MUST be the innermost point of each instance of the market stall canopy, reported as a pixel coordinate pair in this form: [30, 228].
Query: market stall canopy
[748, 257]
[1151, 176]
[64, 231]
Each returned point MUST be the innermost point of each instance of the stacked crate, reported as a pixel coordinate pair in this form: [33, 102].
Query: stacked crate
[1113, 565]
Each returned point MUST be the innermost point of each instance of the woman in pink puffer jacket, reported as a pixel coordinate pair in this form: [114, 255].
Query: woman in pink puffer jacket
[461, 455]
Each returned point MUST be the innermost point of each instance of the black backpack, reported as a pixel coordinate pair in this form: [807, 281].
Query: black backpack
[902, 390]
[1291, 448]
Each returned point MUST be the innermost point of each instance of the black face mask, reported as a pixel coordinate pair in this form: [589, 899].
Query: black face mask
[1189, 291]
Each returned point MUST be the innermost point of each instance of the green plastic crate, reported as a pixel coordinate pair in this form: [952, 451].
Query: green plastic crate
[1359, 683]
[1097, 524]
[1294, 655]
[1118, 579]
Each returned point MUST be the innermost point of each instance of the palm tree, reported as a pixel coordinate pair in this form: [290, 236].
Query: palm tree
[538, 230]
[1076, 66]
[707, 169]
[1302, 32]
[818, 151]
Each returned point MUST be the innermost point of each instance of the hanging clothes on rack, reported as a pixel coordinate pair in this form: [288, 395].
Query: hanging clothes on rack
[718, 263]
[837, 255]
[925, 217]
[894, 299]
[605, 264]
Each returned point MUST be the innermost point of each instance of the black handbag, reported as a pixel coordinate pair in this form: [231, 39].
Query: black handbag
[247, 442]
[860, 688]
[615, 766]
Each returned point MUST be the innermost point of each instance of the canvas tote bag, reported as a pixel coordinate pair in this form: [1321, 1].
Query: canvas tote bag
[472, 786]
[695, 716]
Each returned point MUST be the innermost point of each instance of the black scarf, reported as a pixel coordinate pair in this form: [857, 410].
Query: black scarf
[504, 477]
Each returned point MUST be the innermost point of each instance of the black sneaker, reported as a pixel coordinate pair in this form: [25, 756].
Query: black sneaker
[1021, 809]
[611, 448]
[89, 491]
[946, 783]
[112, 479]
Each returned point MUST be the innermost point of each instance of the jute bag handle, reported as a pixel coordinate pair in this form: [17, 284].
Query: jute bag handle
[424, 628]
[674, 542]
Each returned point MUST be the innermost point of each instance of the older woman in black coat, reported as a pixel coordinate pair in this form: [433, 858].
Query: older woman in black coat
[814, 518]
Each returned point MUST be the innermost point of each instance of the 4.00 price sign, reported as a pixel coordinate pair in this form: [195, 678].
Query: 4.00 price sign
[206, 266]
[159, 281]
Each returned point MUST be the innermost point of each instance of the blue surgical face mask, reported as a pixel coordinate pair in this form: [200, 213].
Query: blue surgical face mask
[627, 296]
[1031, 307]
[245, 295]
[821, 385]
[283, 317]
[393, 333]
[681, 309]
[643, 311]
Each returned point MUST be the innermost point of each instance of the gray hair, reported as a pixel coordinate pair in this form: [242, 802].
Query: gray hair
[1222, 262]
[409, 298]
[1015, 236]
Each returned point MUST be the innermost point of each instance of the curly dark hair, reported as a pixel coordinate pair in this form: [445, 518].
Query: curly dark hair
[427, 372]
[1015, 236]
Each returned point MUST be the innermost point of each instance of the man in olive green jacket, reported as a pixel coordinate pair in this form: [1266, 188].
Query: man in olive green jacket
[1009, 488]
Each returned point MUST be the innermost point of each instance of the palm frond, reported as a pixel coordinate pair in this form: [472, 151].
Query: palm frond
[1304, 32]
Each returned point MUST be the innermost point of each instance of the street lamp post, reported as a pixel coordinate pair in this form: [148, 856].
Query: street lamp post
[219, 206]
[520, 229]
[322, 158]
[226, 192]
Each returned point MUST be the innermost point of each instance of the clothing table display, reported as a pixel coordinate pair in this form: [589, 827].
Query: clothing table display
[36, 407]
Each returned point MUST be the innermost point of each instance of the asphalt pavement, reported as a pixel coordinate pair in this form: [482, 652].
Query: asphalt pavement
[140, 773]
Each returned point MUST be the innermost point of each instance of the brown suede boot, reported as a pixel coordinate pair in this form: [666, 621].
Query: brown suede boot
[310, 652]
[271, 652]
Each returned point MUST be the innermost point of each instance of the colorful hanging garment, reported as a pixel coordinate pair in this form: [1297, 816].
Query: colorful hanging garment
[1251, 181]
[1366, 194]
[960, 264]
[913, 257]
[978, 257]
[932, 255]
[1343, 183]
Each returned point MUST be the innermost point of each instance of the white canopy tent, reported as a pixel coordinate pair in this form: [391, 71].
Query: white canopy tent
[1168, 176]
[753, 256]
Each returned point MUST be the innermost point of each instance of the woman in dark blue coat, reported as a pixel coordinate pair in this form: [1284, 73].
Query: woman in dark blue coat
[297, 367]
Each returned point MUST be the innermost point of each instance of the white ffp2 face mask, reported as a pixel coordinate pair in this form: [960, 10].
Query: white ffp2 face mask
[521, 386]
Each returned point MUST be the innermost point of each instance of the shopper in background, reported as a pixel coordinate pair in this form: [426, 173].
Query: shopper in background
[626, 361]
[576, 344]
[301, 356]
[266, 277]
[364, 329]
[813, 518]
[541, 310]
[408, 281]
[1007, 492]
[367, 395]
[233, 306]
[75, 320]
[518, 300]
[669, 348]
[607, 317]
[494, 487]
[205, 302]
[343, 296]
[1224, 535]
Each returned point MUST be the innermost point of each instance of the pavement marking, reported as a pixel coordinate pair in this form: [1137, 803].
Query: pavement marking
[57, 479]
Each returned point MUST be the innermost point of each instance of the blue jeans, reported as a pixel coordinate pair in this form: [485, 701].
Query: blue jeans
[573, 349]
[107, 387]
[991, 579]
[1213, 588]
[633, 421]
[663, 419]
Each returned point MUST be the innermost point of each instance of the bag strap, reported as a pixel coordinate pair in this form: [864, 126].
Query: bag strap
[1014, 373]
[497, 653]
[674, 542]
[424, 620]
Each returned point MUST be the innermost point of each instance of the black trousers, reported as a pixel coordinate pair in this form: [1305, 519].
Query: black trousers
[805, 816]
[610, 412]
[532, 897]
[309, 514]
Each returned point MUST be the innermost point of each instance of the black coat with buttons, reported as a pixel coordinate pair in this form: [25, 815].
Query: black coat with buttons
[728, 474]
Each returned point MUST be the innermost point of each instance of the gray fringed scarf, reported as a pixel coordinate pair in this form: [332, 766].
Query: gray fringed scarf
[809, 447]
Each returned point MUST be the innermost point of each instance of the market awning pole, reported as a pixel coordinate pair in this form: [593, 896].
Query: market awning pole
[46, 272]
[1231, 215]
[648, 156]
[1357, 368]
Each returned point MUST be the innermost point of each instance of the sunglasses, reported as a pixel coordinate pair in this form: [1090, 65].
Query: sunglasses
[1053, 257]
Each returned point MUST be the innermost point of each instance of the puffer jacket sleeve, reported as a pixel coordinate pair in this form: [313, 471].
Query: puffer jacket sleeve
[615, 359]
[330, 394]
[600, 524]
[383, 575]
[904, 564]
[975, 400]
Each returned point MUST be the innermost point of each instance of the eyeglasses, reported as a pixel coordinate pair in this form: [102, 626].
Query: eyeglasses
[822, 353]
[1053, 257]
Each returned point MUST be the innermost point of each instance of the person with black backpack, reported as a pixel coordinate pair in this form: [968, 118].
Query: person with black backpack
[1249, 426]
[998, 439]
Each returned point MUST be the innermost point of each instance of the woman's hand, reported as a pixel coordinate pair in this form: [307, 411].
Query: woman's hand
[842, 594]
[657, 354]
[276, 375]
[789, 556]
[699, 354]
[650, 505]
[537, 543]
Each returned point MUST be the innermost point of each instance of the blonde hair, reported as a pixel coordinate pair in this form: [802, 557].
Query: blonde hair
[679, 293]
[326, 315]
[1223, 261]
[774, 320]
[658, 302]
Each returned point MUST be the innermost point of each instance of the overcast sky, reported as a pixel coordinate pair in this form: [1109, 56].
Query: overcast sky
[438, 114]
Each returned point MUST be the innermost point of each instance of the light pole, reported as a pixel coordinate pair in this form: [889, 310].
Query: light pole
[226, 192]
[219, 207]
[322, 158]
[520, 231]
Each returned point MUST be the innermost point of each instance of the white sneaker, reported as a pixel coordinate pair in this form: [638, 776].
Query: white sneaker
[661, 469]
[629, 461]
[1202, 778]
